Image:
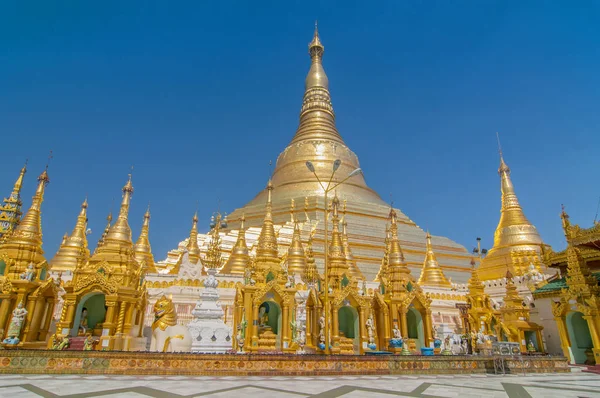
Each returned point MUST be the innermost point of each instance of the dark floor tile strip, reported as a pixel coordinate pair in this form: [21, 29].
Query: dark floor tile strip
[515, 391]
[421, 389]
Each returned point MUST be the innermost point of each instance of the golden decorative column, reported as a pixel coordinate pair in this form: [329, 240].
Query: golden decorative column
[427, 326]
[362, 329]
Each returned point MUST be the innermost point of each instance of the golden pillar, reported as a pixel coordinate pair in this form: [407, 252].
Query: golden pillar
[427, 326]
[5, 308]
[109, 322]
[254, 323]
[404, 323]
[47, 319]
[38, 313]
[336, 329]
[285, 332]
[308, 325]
[129, 321]
[30, 306]
[362, 329]
[121, 321]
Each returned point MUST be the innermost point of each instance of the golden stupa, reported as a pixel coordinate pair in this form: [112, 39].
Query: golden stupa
[317, 140]
[517, 243]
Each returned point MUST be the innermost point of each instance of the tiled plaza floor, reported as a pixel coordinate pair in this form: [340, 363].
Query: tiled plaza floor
[512, 386]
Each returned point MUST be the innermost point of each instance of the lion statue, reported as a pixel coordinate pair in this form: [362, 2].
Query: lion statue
[167, 335]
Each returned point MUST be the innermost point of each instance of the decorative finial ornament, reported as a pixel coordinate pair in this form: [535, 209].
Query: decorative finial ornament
[48, 162]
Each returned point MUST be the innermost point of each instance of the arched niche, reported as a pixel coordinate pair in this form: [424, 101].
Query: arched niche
[579, 334]
[414, 323]
[94, 302]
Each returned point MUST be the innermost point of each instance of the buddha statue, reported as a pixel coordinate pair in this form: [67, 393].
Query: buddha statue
[83, 323]
[263, 317]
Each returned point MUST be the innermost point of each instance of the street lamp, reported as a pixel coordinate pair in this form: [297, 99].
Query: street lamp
[479, 250]
[326, 189]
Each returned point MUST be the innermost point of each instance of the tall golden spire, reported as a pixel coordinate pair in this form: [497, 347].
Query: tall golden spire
[120, 232]
[432, 274]
[10, 211]
[317, 119]
[311, 275]
[514, 234]
[317, 137]
[337, 267]
[25, 243]
[74, 249]
[296, 259]
[267, 241]
[398, 272]
[475, 285]
[383, 268]
[238, 260]
[192, 246]
[142, 248]
[350, 261]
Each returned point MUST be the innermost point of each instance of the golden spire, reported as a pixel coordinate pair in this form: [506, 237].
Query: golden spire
[337, 267]
[213, 259]
[10, 211]
[514, 232]
[238, 260]
[352, 266]
[106, 229]
[513, 308]
[317, 119]
[142, 248]
[383, 268]
[296, 258]
[475, 285]
[432, 274]
[120, 232]
[25, 243]
[267, 241]
[398, 272]
[311, 275]
[74, 250]
[192, 246]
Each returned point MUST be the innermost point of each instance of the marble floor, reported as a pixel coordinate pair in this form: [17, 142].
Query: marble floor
[564, 385]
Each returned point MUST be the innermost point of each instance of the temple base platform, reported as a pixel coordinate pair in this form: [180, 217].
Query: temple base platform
[146, 363]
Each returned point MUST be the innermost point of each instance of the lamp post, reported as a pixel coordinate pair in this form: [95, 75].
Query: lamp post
[326, 189]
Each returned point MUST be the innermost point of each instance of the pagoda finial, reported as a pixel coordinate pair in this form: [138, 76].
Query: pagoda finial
[142, 248]
[192, 246]
[432, 274]
[73, 251]
[238, 260]
[337, 257]
[399, 274]
[120, 232]
[296, 259]
[101, 240]
[10, 210]
[25, 243]
[267, 241]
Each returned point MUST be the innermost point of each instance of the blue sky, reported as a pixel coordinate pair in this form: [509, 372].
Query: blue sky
[200, 95]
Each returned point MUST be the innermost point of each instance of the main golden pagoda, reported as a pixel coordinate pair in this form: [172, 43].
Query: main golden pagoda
[318, 140]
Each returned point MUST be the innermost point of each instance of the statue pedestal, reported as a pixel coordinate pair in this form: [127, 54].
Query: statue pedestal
[209, 333]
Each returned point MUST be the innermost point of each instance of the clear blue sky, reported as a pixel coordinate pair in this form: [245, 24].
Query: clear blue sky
[200, 95]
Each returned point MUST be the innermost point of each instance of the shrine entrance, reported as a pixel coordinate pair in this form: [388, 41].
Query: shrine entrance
[348, 330]
[414, 322]
[579, 334]
[269, 326]
[94, 304]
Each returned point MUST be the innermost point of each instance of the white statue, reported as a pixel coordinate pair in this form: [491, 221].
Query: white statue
[371, 329]
[396, 332]
[16, 323]
[29, 275]
[167, 335]
[291, 282]
[248, 277]
[322, 328]
[364, 287]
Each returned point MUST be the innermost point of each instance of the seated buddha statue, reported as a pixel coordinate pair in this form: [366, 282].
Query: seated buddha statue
[263, 319]
[83, 323]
